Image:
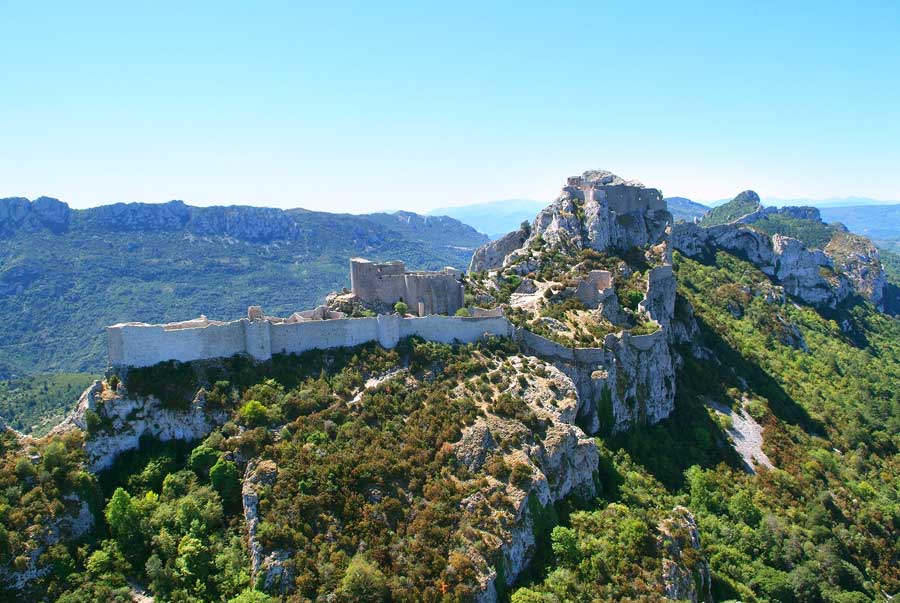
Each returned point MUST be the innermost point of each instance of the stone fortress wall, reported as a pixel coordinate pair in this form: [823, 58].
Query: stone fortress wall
[139, 344]
[621, 198]
[423, 292]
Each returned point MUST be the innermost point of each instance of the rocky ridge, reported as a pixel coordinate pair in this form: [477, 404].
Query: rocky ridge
[245, 223]
[624, 377]
[849, 264]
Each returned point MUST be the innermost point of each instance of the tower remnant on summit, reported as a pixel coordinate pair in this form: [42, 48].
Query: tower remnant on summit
[424, 292]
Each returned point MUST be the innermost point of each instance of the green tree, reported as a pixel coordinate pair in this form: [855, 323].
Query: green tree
[226, 479]
[252, 596]
[363, 582]
[254, 413]
[124, 521]
[203, 457]
[401, 308]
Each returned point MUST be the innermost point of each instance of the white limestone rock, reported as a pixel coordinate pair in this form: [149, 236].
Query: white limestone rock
[563, 462]
[806, 274]
[494, 254]
[124, 420]
[683, 580]
[858, 258]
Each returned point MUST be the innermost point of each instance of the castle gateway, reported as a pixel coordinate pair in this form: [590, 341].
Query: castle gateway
[424, 292]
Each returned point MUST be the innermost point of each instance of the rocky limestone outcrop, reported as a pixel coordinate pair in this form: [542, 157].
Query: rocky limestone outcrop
[686, 575]
[493, 255]
[806, 274]
[70, 525]
[43, 212]
[659, 301]
[801, 212]
[596, 210]
[562, 462]
[602, 211]
[121, 421]
[270, 569]
[629, 379]
[858, 258]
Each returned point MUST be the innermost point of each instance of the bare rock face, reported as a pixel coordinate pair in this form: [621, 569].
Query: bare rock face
[601, 211]
[493, 255]
[858, 258]
[685, 572]
[563, 462]
[123, 420]
[272, 569]
[806, 274]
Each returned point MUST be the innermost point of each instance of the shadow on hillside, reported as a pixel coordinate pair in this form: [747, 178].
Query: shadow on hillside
[734, 364]
[690, 436]
[892, 299]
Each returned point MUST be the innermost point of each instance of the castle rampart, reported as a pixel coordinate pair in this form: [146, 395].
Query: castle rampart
[138, 344]
[423, 292]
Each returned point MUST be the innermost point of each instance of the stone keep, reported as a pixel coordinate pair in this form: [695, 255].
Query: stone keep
[424, 292]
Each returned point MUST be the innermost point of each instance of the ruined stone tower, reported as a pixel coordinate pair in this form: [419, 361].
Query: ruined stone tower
[424, 292]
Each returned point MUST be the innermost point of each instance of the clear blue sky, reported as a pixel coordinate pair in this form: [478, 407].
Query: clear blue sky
[351, 107]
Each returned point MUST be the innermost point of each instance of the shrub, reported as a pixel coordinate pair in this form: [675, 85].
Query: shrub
[521, 475]
[226, 479]
[203, 457]
[463, 313]
[254, 413]
[363, 582]
[631, 299]
[401, 308]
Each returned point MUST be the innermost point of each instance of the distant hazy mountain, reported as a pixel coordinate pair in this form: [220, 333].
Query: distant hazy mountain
[494, 218]
[684, 209]
[66, 274]
[830, 202]
[880, 223]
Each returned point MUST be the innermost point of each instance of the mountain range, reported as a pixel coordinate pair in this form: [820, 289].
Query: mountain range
[66, 274]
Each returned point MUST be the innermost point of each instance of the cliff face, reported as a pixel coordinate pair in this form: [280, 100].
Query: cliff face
[114, 422]
[849, 264]
[597, 210]
[857, 258]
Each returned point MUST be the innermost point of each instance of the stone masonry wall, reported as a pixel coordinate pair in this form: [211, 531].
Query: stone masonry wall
[135, 344]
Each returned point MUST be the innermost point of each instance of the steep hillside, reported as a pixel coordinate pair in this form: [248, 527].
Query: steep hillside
[67, 274]
[745, 203]
[810, 513]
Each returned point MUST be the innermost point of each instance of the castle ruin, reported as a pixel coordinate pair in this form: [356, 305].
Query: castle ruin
[383, 285]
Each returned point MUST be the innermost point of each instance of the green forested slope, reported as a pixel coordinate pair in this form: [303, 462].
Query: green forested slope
[40, 401]
[824, 525]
